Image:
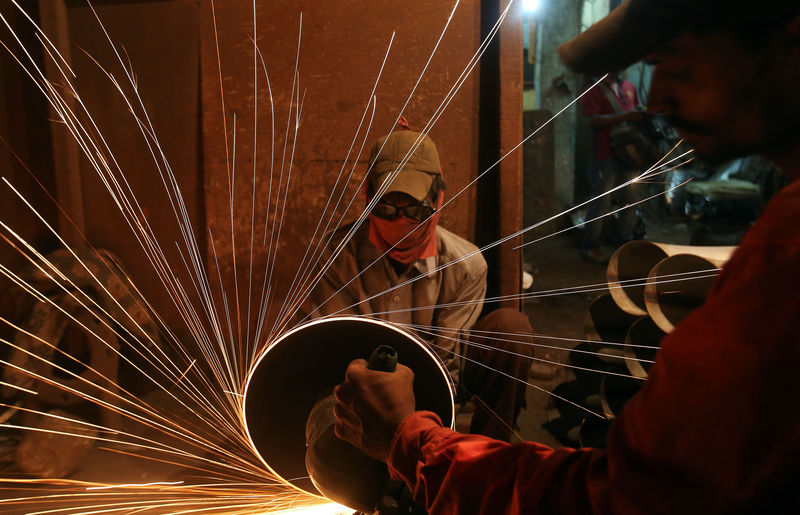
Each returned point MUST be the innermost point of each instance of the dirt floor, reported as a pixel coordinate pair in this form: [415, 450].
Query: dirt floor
[556, 265]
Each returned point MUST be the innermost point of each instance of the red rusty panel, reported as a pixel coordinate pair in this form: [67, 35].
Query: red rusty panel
[159, 42]
[165, 62]
[341, 50]
[25, 145]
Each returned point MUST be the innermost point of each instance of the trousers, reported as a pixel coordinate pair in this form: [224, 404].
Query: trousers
[498, 356]
[603, 176]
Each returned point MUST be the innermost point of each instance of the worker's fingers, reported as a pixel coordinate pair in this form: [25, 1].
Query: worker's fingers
[341, 432]
[343, 394]
[347, 423]
[353, 376]
[346, 416]
[405, 372]
[355, 369]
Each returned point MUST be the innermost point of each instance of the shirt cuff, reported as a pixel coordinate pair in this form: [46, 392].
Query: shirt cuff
[406, 449]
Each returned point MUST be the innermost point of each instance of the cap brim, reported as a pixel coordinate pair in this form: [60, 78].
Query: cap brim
[411, 182]
[617, 41]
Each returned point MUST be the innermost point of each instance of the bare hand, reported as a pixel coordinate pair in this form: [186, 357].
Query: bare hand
[371, 404]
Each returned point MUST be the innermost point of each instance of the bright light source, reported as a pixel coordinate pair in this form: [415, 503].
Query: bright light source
[317, 509]
[530, 5]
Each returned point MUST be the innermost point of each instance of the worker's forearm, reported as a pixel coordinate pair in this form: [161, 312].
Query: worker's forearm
[449, 472]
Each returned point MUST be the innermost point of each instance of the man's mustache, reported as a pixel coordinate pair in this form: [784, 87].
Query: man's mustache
[686, 126]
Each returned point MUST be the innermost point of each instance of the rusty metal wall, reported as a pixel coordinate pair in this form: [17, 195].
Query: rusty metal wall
[172, 47]
[342, 46]
[25, 145]
[160, 43]
[500, 105]
[510, 171]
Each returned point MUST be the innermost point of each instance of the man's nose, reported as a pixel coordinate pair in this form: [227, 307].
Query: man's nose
[660, 98]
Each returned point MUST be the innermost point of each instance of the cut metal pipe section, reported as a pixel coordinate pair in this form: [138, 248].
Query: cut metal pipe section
[641, 346]
[301, 367]
[676, 286]
[606, 322]
[629, 268]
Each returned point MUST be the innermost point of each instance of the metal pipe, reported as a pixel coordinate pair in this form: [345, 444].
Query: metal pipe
[606, 321]
[641, 345]
[629, 268]
[302, 366]
[670, 298]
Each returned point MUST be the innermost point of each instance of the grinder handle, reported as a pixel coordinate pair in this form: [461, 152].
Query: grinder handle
[383, 359]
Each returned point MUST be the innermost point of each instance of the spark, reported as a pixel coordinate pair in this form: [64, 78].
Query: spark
[135, 485]
[320, 509]
[20, 388]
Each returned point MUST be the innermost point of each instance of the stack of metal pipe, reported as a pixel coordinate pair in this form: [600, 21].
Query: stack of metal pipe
[651, 288]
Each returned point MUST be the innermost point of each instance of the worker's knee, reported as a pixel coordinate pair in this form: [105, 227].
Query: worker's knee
[506, 329]
[505, 320]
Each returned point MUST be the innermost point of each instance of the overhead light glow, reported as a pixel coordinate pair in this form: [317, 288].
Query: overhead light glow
[530, 5]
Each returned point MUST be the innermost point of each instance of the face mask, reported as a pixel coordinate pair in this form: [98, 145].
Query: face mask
[406, 240]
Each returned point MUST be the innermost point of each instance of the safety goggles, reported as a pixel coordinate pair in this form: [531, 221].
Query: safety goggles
[419, 212]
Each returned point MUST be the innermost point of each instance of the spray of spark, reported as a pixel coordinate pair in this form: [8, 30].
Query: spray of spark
[202, 379]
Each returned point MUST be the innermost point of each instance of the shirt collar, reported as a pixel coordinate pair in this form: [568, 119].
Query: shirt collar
[367, 253]
[425, 266]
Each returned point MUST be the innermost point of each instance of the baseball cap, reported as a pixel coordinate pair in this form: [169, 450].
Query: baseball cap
[417, 174]
[638, 27]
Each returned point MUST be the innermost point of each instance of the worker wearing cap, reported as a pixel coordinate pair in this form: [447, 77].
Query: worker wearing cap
[403, 267]
[716, 427]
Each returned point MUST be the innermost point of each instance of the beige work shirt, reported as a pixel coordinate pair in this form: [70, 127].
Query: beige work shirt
[423, 302]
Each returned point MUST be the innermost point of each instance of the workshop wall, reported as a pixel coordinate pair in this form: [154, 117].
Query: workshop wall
[171, 47]
[342, 46]
[164, 60]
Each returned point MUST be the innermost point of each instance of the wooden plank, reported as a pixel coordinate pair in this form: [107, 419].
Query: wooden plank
[66, 168]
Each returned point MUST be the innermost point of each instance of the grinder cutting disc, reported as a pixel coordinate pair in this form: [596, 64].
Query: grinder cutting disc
[306, 363]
